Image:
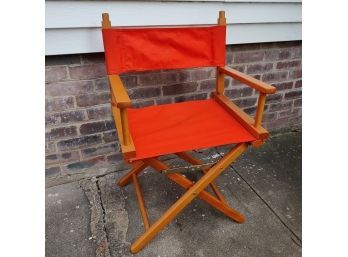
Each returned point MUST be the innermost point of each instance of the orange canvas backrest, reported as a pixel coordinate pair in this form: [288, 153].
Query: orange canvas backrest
[168, 47]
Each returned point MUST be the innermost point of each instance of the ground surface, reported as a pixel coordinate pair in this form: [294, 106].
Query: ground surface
[95, 217]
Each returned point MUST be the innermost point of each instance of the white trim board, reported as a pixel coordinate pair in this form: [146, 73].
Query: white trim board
[74, 26]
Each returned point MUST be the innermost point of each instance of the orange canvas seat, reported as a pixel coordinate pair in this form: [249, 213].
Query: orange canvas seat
[171, 128]
[147, 133]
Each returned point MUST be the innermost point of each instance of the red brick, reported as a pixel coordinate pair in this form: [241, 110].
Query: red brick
[269, 117]
[92, 99]
[289, 113]
[297, 52]
[210, 84]
[58, 133]
[295, 120]
[276, 54]
[102, 84]
[293, 94]
[283, 114]
[298, 83]
[100, 150]
[274, 98]
[110, 136]
[237, 82]
[203, 73]
[239, 92]
[62, 158]
[229, 58]
[98, 113]
[298, 103]
[183, 75]
[240, 68]
[296, 74]
[129, 81]
[245, 57]
[250, 110]
[246, 102]
[59, 104]
[283, 86]
[64, 117]
[76, 143]
[144, 92]
[69, 88]
[180, 88]
[89, 71]
[280, 106]
[55, 73]
[95, 127]
[154, 79]
[275, 76]
[259, 68]
[288, 64]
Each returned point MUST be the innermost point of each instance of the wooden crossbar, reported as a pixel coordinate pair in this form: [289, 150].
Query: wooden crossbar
[185, 156]
[194, 189]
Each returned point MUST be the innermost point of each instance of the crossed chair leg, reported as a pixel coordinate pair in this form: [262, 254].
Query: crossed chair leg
[193, 190]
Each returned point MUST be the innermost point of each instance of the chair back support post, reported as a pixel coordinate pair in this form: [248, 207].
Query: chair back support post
[106, 23]
[259, 110]
[220, 78]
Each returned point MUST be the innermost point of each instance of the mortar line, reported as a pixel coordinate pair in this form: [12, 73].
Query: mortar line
[269, 207]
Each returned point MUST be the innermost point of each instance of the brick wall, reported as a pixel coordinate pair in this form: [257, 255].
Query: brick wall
[80, 132]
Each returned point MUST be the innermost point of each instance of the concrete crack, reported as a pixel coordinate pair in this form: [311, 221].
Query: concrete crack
[97, 223]
[103, 215]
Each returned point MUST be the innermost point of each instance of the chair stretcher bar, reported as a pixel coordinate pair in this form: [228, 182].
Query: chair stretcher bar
[189, 195]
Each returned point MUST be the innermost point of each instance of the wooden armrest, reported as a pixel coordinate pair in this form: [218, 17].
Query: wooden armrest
[244, 119]
[248, 80]
[119, 92]
[120, 102]
[127, 149]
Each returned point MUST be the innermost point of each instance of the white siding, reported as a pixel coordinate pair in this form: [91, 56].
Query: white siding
[74, 26]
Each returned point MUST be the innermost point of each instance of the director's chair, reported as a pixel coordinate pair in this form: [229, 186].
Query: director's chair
[150, 132]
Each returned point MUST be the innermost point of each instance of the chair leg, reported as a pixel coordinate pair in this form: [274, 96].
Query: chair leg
[190, 159]
[140, 197]
[189, 195]
[204, 195]
[137, 168]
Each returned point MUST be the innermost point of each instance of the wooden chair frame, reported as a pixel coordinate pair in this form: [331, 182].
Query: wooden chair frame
[120, 101]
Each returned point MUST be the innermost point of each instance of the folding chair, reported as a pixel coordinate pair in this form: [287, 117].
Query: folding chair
[146, 133]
